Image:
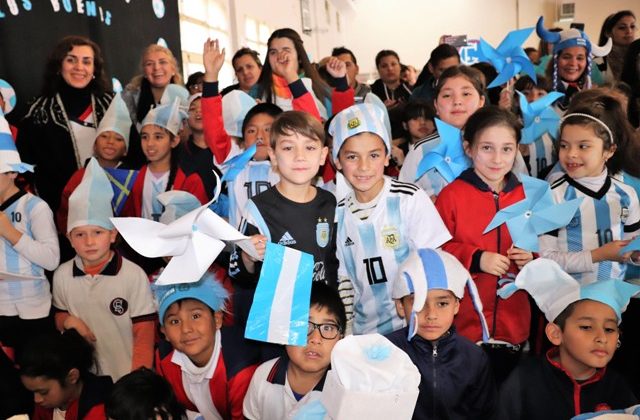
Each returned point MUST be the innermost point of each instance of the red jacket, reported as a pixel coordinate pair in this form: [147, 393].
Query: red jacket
[90, 406]
[467, 206]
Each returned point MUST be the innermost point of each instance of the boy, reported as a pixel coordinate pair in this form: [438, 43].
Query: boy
[206, 376]
[282, 386]
[573, 377]
[103, 296]
[378, 222]
[294, 212]
[456, 375]
[28, 245]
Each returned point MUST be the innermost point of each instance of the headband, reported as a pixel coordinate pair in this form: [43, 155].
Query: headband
[592, 118]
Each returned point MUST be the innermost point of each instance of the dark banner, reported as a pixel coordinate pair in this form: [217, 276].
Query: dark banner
[29, 29]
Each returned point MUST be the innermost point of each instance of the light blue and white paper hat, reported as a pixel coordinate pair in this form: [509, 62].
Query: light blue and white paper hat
[359, 118]
[9, 157]
[235, 106]
[168, 116]
[90, 202]
[554, 290]
[176, 204]
[173, 91]
[8, 95]
[427, 269]
[116, 119]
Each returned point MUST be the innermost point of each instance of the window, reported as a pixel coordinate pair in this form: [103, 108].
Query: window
[256, 35]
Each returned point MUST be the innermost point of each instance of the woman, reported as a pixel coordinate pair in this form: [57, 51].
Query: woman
[621, 28]
[247, 67]
[59, 130]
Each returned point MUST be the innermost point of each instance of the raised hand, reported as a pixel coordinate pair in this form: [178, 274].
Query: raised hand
[213, 59]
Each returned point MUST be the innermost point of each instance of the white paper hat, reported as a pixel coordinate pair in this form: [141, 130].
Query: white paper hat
[194, 97]
[8, 95]
[116, 119]
[90, 202]
[167, 116]
[370, 376]
[359, 118]
[553, 289]
[176, 204]
[9, 156]
[235, 106]
[173, 91]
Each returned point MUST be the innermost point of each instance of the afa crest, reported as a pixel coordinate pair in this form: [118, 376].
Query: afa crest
[390, 237]
[322, 232]
[353, 123]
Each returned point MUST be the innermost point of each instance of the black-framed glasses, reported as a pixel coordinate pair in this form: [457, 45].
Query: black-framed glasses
[327, 331]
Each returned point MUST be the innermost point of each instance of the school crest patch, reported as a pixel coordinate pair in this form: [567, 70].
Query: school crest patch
[118, 306]
[322, 232]
[390, 237]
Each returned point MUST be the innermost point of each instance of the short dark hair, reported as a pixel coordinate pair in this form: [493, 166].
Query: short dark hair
[193, 79]
[246, 51]
[490, 116]
[261, 108]
[343, 50]
[561, 319]
[299, 122]
[325, 296]
[385, 53]
[417, 108]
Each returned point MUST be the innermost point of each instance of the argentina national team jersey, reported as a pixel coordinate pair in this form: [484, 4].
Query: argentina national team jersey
[431, 182]
[541, 154]
[370, 251]
[610, 214]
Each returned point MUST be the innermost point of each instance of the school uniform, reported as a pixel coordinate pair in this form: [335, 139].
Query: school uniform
[541, 155]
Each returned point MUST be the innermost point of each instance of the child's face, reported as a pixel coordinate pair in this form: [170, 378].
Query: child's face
[493, 152]
[157, 143]
[420, 128]
[92, 243]
[48, 393]
[534, 93]
[280, 50]
[362, 159]
[110, 146]
[158, 69]
[589, 339]
[195, 115]
[258, 130]
[581, 152]
[190, 326]
[297, 158]
[457, 100]
[436, 316]
[7, 183]
[316, 355]
[571, 63]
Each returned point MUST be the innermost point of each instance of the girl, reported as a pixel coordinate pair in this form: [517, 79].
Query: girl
[458, 95]
[621, 28]
[491, 139]
[63, 386]
[418, 123]
[159, 137]
[442, 57]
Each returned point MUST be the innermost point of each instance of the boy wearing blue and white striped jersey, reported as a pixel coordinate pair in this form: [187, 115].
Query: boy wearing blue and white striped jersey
[378, 222]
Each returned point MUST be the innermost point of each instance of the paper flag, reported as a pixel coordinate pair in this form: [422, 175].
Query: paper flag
[448, 157]
[122, 181]
[509, 58]
[539, 117]
[535, 215]
[280, 310]
[236, 164]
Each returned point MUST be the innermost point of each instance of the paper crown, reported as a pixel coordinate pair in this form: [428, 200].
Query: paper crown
[116, 119]
[176, 204]
[9, 156]
[427, 269]
[554, 290]
[173, 91]
[8, 95]
[90, 202]
[571, 38]
[168, 116]
[207, 290]
[359, 118]
[235, 106]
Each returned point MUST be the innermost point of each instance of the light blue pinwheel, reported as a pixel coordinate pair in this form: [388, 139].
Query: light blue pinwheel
[535, 215]
[539, 117]
[633, 246]
[447, 157]
[509, 58]
[238, 163]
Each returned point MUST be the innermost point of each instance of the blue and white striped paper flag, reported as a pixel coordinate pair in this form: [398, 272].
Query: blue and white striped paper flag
[280, 310]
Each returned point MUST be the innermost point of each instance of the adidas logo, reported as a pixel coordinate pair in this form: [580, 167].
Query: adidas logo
[348, 242]
[287, 239]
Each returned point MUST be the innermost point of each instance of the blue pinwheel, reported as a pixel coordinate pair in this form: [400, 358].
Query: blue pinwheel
[447, 157]
[535, 215]
[509, 58]
[237, 163]
[539, 117]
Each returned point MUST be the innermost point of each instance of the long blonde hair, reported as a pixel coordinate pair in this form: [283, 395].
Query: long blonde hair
[135, 82]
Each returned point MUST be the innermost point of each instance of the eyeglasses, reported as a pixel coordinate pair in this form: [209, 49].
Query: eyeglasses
[327, 331]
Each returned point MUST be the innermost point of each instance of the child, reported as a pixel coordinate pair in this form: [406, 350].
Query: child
[57, 369]
[105, 297]
[378, 222]
[442, 57]
[456, 376]
[593, 148]
[29, 246]
[459, 93]
[583, 326]
[418, 123]
[280, 387]
[294, 212]
[143, 394]
[206, 376]
[491, 139]
[159, 137]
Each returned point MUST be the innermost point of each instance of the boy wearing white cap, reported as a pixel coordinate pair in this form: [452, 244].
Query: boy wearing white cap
[29, 245]
[456, 375]
[378, 222]
[103, 296]
[573, 377]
